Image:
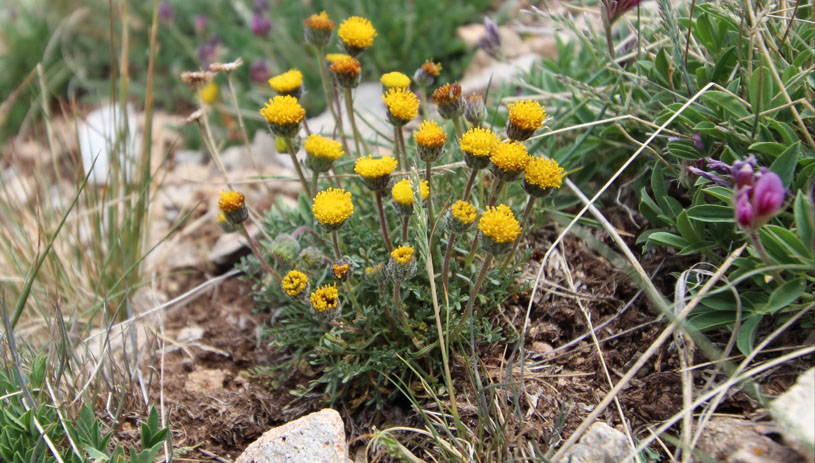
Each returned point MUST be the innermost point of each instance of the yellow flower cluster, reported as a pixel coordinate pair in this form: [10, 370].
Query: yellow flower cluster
[322, 147]
[430, 135]
[394, 80]
[230, 201]
[527, 114]
[283, 110]
[344, 64]
[402, 192]
[332, 57]
[402, 254]
[463, 212]
[332, 206]
[320, 21]
[372, 168]
[341, 270]
[510, 156]
[544, 173]
[478, 141]
[289, 81]
[402, 103]
[294, 283]
[357, 32]
[325, 298]
[499, 224]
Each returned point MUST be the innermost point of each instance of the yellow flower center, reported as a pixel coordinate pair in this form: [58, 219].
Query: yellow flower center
[209, 93]
[478, 142]
[340, 270]
[510, 156]
[375, 168]
[430, 135]
[357, 32]
[402, 103]
[325, 298]
[499, 224]
[332, 206]
[463, 212]
[527, 114]
[230, 201]
[402, 254]
[322, 147]
[289, 81]
[544, 173]
[320, 21]
[283, 110]
[424, 189]
[402, 192]
[446, 94]
[431, 68]
[344, 64]
[294, 283]
[395, 80]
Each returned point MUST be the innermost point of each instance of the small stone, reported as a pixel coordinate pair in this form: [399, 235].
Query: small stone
[541, 347]
[315, 438]
[794, 411]
[190, 334]
[601, 443]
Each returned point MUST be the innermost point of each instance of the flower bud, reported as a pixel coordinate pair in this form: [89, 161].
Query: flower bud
[311, 257]
[285, 247]
[261, 25]
[475, 111]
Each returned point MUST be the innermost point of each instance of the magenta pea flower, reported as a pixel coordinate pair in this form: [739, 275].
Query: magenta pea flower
[756, 204]
[166, 13]
[261, 25]
[744, 210]
[614, 9]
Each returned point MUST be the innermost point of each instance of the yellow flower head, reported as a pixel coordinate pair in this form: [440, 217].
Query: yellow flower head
[372, 168]
[544, 173]
[430, 135]
[510, 156]
[402, 254]
[499, 224]
[431, 68]
[527, 114]
[340, 270]
[401, 103]
[325, 298]
[478, 141]
[344, 64]
[394, 80]
[322, 147]
[331, 57]
[230, 201]
[320, 21]
[402, 192]
[446, 94]
[209, 93]
[332, 207]
[424, 189]
[283, 110]
[357, 32]
[294, 283]
[463, 212]
[289, 81]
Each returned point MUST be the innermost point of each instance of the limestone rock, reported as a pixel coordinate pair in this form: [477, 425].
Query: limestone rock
[315, 438]
[741, 441]
[600, 444]
[794, 411]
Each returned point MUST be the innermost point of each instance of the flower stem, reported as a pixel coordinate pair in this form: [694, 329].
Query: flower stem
[404, 149]
[324, 79]
[336, 242]
[457, 124]
[397, 303]
[470, 303]
[396, 149]
[473, 175]
[382, 220]
[609, 40]
[290, 147]
[445, 272]
[405, 221]
[314, 176]
[496, 190]
[425, 109]
[527, 212]
[429, 200]
[762, 251]
[349, 106]
[256, 250]
[340, 124]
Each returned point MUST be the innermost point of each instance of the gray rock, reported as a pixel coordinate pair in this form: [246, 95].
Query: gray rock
[600, 444]
[736, 440]
[794, 411]
[315, 438]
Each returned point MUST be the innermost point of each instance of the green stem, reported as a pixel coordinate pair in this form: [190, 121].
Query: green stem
[336, 241]
[429, 200]
[425, 109]
[256, 250]
[290, 147]
[445, 272]
[470, 303]
[762, 251]
[314, 176]
[324, 80]
[349, 106]
[382, 220]
[396, 149]
[340, 124]
[404, 149]
[527, 212]
[349, 288]
[608, 28]
[397, 303]
[457, 124]
[466, 195]
[405, 221]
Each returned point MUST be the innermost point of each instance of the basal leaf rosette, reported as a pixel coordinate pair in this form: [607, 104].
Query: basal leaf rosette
[499, 229]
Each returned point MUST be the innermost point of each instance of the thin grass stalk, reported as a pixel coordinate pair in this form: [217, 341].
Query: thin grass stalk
[428, 177]
[445, 272]
[467, 314]
[384, 223]
[290, 148]
[242, 126]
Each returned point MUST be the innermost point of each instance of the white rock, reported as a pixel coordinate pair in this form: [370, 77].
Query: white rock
[97, 137]
[794, 411]
[600, 444]
[315, 438]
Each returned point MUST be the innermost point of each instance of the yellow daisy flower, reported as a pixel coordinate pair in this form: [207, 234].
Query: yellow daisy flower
[294, 283]
[424, 189]
[402, 192]
[232, 204]
[375, 172]
[402, 106]
[287, 83]
[319, 21]
[325, 298]
[321, 152]
[357, 34]
[525, 117]
[499, 224]
[463, 212]
[394, 80]
[509, 159]
[332, 207]
[542, 174]
[477, 144]
[283, 114]
[402, 254]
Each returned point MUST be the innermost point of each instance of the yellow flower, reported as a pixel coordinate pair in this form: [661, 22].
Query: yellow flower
[294, 283]
[527, 114]
[395, 80]
[402, 254]
[402, 192]
[431, 68]
[463, 212]
[372, 168]
[322, 147]
[209, 93]
[341, 271]
[544, 173]
[499, 224]
[430, 135]
[320, 21]
[331, 57]
[289, 81]
[344, 64]
[357, 32]
[478, 141]
[332, 207]
[325, 298]
[424, 189]
[283, 110]
[510, 156]
[230, 201]
[402, 104]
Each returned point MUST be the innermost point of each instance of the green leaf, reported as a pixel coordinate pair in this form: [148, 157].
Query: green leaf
[669, 239]
[775, 246]
[788, 239]
[729, 104]
[660, 189]
[747, 334]
[767, 147]
[711, 213]
[765, 92]
[721, 193]
[686, 228]
[696, 248]
[784, 295]
[786, 162]
[804, 221]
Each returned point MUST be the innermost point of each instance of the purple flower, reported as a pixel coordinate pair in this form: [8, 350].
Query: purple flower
[616, 8]
[261, 5]
[258, 71]
[710, 176]
[743, 176]
[208, 52]
[719, 166]
[768, 195]
[165, 11]
[744, 210]
[697, 141]
[200, 24]
[261, 25]
[491, 41]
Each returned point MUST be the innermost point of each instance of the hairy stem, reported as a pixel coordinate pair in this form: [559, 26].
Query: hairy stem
[303, 181]
[473, 292]
[445, 271]
[473, 175]
[382, 220]
[256, 250]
